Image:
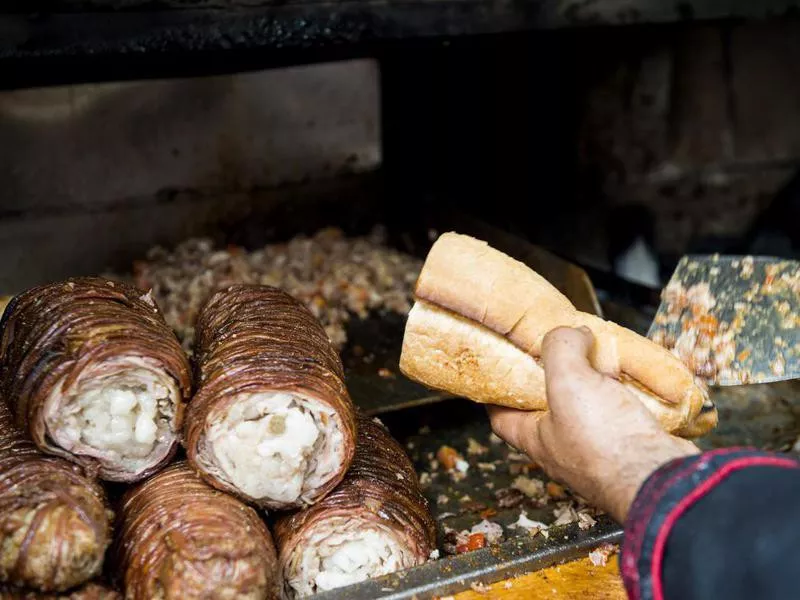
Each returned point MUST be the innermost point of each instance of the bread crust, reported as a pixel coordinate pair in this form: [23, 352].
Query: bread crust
[450, 353]
[476, 305]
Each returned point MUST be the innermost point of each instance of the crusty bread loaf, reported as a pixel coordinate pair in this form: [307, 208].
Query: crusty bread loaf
[478, 325]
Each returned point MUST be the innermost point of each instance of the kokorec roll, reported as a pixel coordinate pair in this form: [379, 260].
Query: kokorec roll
[93, 373]
[180, 538]
[272, 421]
[54, 522]
[375, 522]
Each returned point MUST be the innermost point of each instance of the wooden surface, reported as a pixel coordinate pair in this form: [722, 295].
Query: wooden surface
[579, 580]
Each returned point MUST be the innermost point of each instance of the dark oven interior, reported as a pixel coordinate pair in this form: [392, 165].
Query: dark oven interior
[171, 142]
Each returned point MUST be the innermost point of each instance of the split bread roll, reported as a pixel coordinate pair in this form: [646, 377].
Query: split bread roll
[477, 327]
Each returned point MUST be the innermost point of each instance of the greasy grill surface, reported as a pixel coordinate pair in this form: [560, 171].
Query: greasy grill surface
[180, 538]
[56, 331]
[381, 486]
[54, 525]
[253, 338]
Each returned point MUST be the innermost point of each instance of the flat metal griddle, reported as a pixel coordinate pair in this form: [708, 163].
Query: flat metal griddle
[765, 416]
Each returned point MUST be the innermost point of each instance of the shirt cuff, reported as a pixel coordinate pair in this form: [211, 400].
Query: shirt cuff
[663, 498]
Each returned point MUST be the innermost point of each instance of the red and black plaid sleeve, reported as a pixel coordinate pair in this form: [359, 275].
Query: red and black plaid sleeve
[724, 524]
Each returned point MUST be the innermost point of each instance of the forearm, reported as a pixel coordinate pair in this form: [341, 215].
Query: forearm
[718, 525]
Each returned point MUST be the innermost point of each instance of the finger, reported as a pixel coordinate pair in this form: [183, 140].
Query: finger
[568, 372]
[520, 428]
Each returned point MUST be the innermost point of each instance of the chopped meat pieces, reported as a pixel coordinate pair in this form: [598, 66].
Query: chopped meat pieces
[480, 588]
[555, 490]
[334, 276]
[533, 488]
[565, 514]
[509, 497]
[475, 449]
[492, 531]
[448, 457]
[599, 556]
[586, 521]
[531, 526]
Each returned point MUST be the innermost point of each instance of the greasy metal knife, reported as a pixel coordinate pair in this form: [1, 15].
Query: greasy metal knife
[733, 319]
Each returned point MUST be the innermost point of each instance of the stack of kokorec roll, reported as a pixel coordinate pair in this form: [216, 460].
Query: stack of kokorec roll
[273, 424]
[92, 374]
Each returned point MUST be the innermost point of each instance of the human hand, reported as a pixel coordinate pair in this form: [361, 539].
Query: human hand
[595, 437]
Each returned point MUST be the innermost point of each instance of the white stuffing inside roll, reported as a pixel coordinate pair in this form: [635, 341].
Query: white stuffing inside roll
[275, 446]
[120, 412]
[341, 551]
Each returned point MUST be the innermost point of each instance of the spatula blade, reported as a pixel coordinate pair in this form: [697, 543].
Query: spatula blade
[733, 319]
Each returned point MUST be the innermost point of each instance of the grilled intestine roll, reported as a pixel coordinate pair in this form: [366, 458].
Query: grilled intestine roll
[93, 373]
[271, 421]
[179, 538]
[375, 522]
[54, 522]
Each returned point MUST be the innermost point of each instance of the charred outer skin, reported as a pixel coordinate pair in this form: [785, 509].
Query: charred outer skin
[55, 331]
[179, 538]
[253, 338]
[90, 591]
[54, 522]
[372, 491]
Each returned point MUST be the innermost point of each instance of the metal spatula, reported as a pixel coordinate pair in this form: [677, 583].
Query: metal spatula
[733, 319]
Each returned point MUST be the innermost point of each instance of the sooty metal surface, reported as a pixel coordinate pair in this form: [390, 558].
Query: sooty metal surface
[34, 35]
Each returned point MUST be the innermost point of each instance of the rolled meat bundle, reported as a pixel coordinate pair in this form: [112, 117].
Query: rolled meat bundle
[271, 421]
[180, 539]
[93, 373]
[54, 522]
[90, 591]
[477, 326]
[375, 522]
